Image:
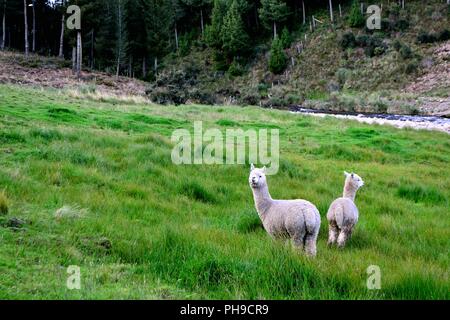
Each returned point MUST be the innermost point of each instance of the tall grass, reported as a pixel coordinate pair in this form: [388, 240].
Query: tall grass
[143, 227]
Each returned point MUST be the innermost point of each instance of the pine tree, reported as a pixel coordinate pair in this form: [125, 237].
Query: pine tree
[273, 12]
[356, 19]
[234, 37]
[213, 32]
[278, 58]
[286, 38]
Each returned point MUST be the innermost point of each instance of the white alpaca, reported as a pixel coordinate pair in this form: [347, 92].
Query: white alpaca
[298, 220]
[343, 214]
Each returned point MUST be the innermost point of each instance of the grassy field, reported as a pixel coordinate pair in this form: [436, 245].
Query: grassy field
[141, 227]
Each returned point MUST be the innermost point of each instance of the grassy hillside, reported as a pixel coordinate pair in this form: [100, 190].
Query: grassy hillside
[387, 70]
[141, 227]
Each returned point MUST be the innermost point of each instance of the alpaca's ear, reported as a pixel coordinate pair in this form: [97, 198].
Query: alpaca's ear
[346, 173]
[353, 175]
[252, 167]
[264, 169]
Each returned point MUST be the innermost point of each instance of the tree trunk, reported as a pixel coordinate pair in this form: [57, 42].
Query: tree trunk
[61, 38]
[25, 17]
[304, 12]
[79, 53]
[74, 60]
[176, 36]
[340, 10]
[331, 11]
[156, 65]
[4, 26]
[274, 29]
[119, 51]
[92, 48]
[201, 21]
[34, 27]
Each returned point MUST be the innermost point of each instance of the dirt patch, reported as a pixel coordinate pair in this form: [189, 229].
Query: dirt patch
[50, 72]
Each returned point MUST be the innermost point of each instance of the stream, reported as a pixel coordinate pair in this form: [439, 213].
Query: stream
[399, 121]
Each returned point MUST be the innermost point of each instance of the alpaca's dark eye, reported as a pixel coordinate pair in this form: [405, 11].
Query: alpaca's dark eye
[260, 176]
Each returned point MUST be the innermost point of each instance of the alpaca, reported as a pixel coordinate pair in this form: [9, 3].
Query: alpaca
[343, 214]
[298, 220]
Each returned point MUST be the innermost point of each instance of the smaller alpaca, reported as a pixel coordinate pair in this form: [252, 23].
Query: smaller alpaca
[343, 214]
[298, 220]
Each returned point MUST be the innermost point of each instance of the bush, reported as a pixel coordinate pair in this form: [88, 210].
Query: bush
[362, 40]
[402, 25]
[405, 52]
[250, 97]
[411, 67]
[356, 19]
[342, 75]
[397, 45]
[278, 58]
[348, 40]
[444, 35]
[425, 37]
[235, 69]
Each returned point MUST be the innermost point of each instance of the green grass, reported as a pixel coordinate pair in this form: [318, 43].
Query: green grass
[142, 227]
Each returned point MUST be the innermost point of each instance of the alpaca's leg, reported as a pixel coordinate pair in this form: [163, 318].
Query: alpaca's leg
[298, 239]
[333, 233]
[310, 244]
[344, 235]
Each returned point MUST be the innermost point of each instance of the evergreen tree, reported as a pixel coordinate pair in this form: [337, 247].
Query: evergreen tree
[278, 58]
[234, 37]
[273, 12]
[356, 18]
[286, 38]
[213, 32]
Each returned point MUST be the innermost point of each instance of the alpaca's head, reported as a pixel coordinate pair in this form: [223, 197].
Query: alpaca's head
[257, 177]
[353, 180]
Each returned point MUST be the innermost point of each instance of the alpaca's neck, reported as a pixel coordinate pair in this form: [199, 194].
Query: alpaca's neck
[263, 200]
[350, 191]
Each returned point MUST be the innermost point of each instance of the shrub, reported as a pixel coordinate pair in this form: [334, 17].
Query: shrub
[411, 67]
[378, 51]
[356, 19]
[278, 58]
[397, 45]
[405, 52]
[402, 25]
[250, 98]
[293, 99]
[342, 75]
[235, 69]
[444, 35]
[425, 37]
[348, 40]
[362, 40]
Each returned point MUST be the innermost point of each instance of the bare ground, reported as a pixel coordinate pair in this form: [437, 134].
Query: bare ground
[54, 73]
